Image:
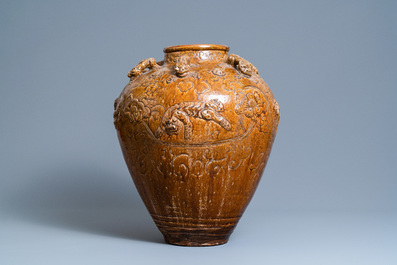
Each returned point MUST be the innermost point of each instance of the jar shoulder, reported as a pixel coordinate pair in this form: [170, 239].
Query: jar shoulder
[199, 80]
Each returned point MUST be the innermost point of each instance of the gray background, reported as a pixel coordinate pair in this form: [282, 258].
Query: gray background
[329, 192]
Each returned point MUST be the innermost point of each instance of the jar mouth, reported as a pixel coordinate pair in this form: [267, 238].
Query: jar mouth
[195, 47]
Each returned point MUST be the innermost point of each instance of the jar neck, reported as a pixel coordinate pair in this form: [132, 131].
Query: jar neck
[196, 53]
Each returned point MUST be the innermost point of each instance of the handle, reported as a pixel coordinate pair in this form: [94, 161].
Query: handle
[242, 65]
[137, 70]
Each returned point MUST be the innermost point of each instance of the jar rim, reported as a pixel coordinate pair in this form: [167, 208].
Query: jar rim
[195, 47]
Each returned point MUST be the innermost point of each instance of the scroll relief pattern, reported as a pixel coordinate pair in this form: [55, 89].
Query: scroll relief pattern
[253, 104]
[137, 110]
[181, 164]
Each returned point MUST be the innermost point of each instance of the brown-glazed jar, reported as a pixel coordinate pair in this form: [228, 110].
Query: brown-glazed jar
[196, 132]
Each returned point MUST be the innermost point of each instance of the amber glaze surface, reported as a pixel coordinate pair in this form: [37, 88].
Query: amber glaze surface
[196, 132]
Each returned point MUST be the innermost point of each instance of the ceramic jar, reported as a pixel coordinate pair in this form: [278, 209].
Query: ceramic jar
[196, 130]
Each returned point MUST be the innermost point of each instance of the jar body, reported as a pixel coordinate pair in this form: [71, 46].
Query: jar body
[196, 132]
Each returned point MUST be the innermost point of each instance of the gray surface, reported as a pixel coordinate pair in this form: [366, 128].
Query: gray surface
[329, 192]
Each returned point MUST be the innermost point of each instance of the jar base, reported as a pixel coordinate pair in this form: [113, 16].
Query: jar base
[196, 240]
[200, 232]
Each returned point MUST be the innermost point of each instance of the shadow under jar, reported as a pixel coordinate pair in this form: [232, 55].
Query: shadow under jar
[196, 131]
